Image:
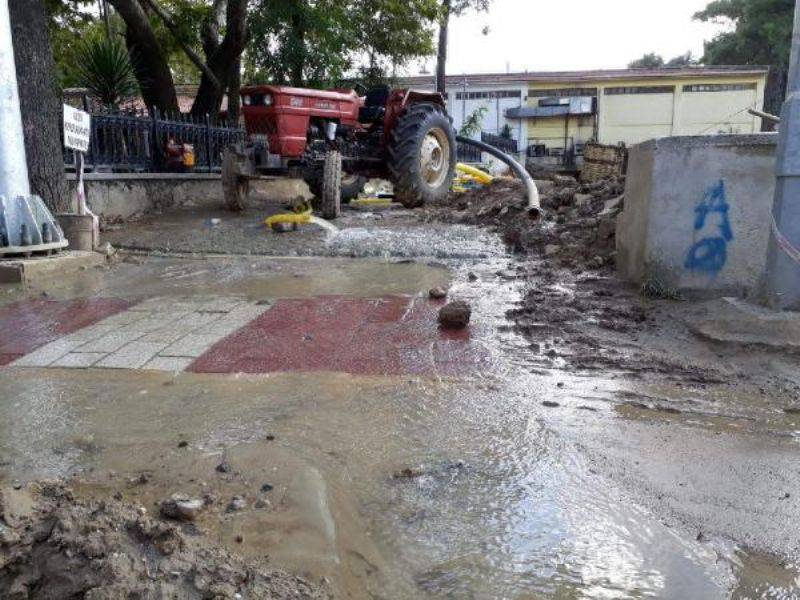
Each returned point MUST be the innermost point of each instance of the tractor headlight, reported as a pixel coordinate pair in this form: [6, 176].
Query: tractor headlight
[267, 99]
[246, 100]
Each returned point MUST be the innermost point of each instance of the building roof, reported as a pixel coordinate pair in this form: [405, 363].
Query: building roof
[528, 77]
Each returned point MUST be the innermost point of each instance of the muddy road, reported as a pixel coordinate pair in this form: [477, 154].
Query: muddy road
[577, 441]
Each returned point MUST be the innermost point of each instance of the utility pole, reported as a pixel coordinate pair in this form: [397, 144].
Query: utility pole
[783, 255]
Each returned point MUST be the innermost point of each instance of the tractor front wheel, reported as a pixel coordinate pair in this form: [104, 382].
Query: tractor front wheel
[235, 186]
[352, 185]
[330, 199]
[422, 155]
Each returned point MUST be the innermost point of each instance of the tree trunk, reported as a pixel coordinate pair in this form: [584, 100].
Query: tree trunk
[297, 68]
[441, 56]
[223, 61]
[774, 96]
[234, 98]
[40, 104]
[149, 60]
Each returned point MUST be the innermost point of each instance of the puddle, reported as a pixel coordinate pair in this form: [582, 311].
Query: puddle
[403, 486]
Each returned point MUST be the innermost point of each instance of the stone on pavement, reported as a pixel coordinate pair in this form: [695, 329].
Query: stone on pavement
[455, 315]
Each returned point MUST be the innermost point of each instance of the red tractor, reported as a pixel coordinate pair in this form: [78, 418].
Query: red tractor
[401, 135]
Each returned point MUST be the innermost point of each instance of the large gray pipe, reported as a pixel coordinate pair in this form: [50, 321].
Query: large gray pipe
[534, 208]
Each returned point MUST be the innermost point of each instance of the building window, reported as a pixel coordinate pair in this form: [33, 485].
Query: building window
[652, 89]
[563, 93]
[719, 87]
[488, 95]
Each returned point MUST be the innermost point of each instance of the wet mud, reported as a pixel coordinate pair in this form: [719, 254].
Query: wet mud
[601, 451]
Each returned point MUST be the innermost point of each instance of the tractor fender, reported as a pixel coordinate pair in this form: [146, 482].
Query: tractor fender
[400, 99]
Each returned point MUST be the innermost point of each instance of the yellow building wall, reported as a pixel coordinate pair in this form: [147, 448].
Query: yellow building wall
[634, 118]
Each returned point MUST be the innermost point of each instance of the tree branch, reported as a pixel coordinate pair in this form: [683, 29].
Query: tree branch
[193, 56]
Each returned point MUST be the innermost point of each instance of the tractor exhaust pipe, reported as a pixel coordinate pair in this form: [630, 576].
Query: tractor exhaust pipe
[534, 208]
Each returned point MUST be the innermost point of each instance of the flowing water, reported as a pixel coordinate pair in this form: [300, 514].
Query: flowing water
[389, 486]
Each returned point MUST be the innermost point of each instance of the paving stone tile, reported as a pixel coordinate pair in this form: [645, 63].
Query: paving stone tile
[131, 356]
[78, 360]
[169, 363]
[111, 342]
[91, 333]
[154, 321]
[224, 304]
[167, 335]
[236, 319]
[191, 345]
[197, 320]
[121, 319]
[47, 354]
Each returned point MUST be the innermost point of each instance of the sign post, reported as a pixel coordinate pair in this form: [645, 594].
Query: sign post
[77, 136]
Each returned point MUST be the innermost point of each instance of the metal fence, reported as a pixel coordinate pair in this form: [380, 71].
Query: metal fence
[507, 145]
[134, 141]
[467, 154]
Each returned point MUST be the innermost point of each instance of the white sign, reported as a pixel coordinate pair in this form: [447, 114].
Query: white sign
[77, 126]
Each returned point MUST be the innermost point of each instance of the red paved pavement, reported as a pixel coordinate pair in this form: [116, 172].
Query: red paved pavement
[24, 326]
[391, 335]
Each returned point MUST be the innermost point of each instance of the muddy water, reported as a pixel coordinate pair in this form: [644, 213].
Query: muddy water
[398, 487]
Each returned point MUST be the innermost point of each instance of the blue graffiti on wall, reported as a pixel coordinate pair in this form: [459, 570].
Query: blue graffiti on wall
[710, 254]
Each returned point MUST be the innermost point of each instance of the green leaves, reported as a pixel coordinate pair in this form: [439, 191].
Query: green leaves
[318, 42]
[762, 32]
[105, 68]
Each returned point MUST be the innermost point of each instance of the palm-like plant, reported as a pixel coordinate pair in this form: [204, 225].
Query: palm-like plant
[106, 70]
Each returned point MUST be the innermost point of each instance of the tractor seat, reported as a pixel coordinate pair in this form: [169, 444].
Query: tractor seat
[374, 104]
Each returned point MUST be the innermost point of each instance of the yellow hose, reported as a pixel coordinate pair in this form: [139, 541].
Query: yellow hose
[480, 176]
[303, 217]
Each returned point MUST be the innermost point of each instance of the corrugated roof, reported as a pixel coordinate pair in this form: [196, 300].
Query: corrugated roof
[528, 77]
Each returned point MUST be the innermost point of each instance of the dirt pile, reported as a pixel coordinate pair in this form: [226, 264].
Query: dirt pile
[53, 545]
[579, 225]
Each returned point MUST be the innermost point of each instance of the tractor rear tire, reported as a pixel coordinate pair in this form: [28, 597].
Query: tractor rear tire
[330, 199]
[422, 155]
[235, 187]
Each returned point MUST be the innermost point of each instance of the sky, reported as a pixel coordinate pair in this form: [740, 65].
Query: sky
[552, 35]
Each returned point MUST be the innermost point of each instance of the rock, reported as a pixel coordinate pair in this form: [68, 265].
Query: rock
[564, 180]
[606, 229]
[455, 315]
[7, 536]
[107, 249]
[283, 227]
[437, 293]
[471, 276]
[550, 404]
[224, 466]
[267, 487]
[551, 249]
[236, 504]
[612, 207]
[583, 200]
[183, 444]
[182, 507]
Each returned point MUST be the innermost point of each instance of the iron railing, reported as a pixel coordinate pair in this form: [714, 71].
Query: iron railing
[467, 154]
[507, 145]
[135, 141]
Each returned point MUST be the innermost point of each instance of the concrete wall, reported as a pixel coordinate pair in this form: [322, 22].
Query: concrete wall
[697, 212]
[116, 196]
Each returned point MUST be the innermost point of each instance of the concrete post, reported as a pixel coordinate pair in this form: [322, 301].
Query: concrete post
[13, 166]
[783, 255]
[26, 225]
